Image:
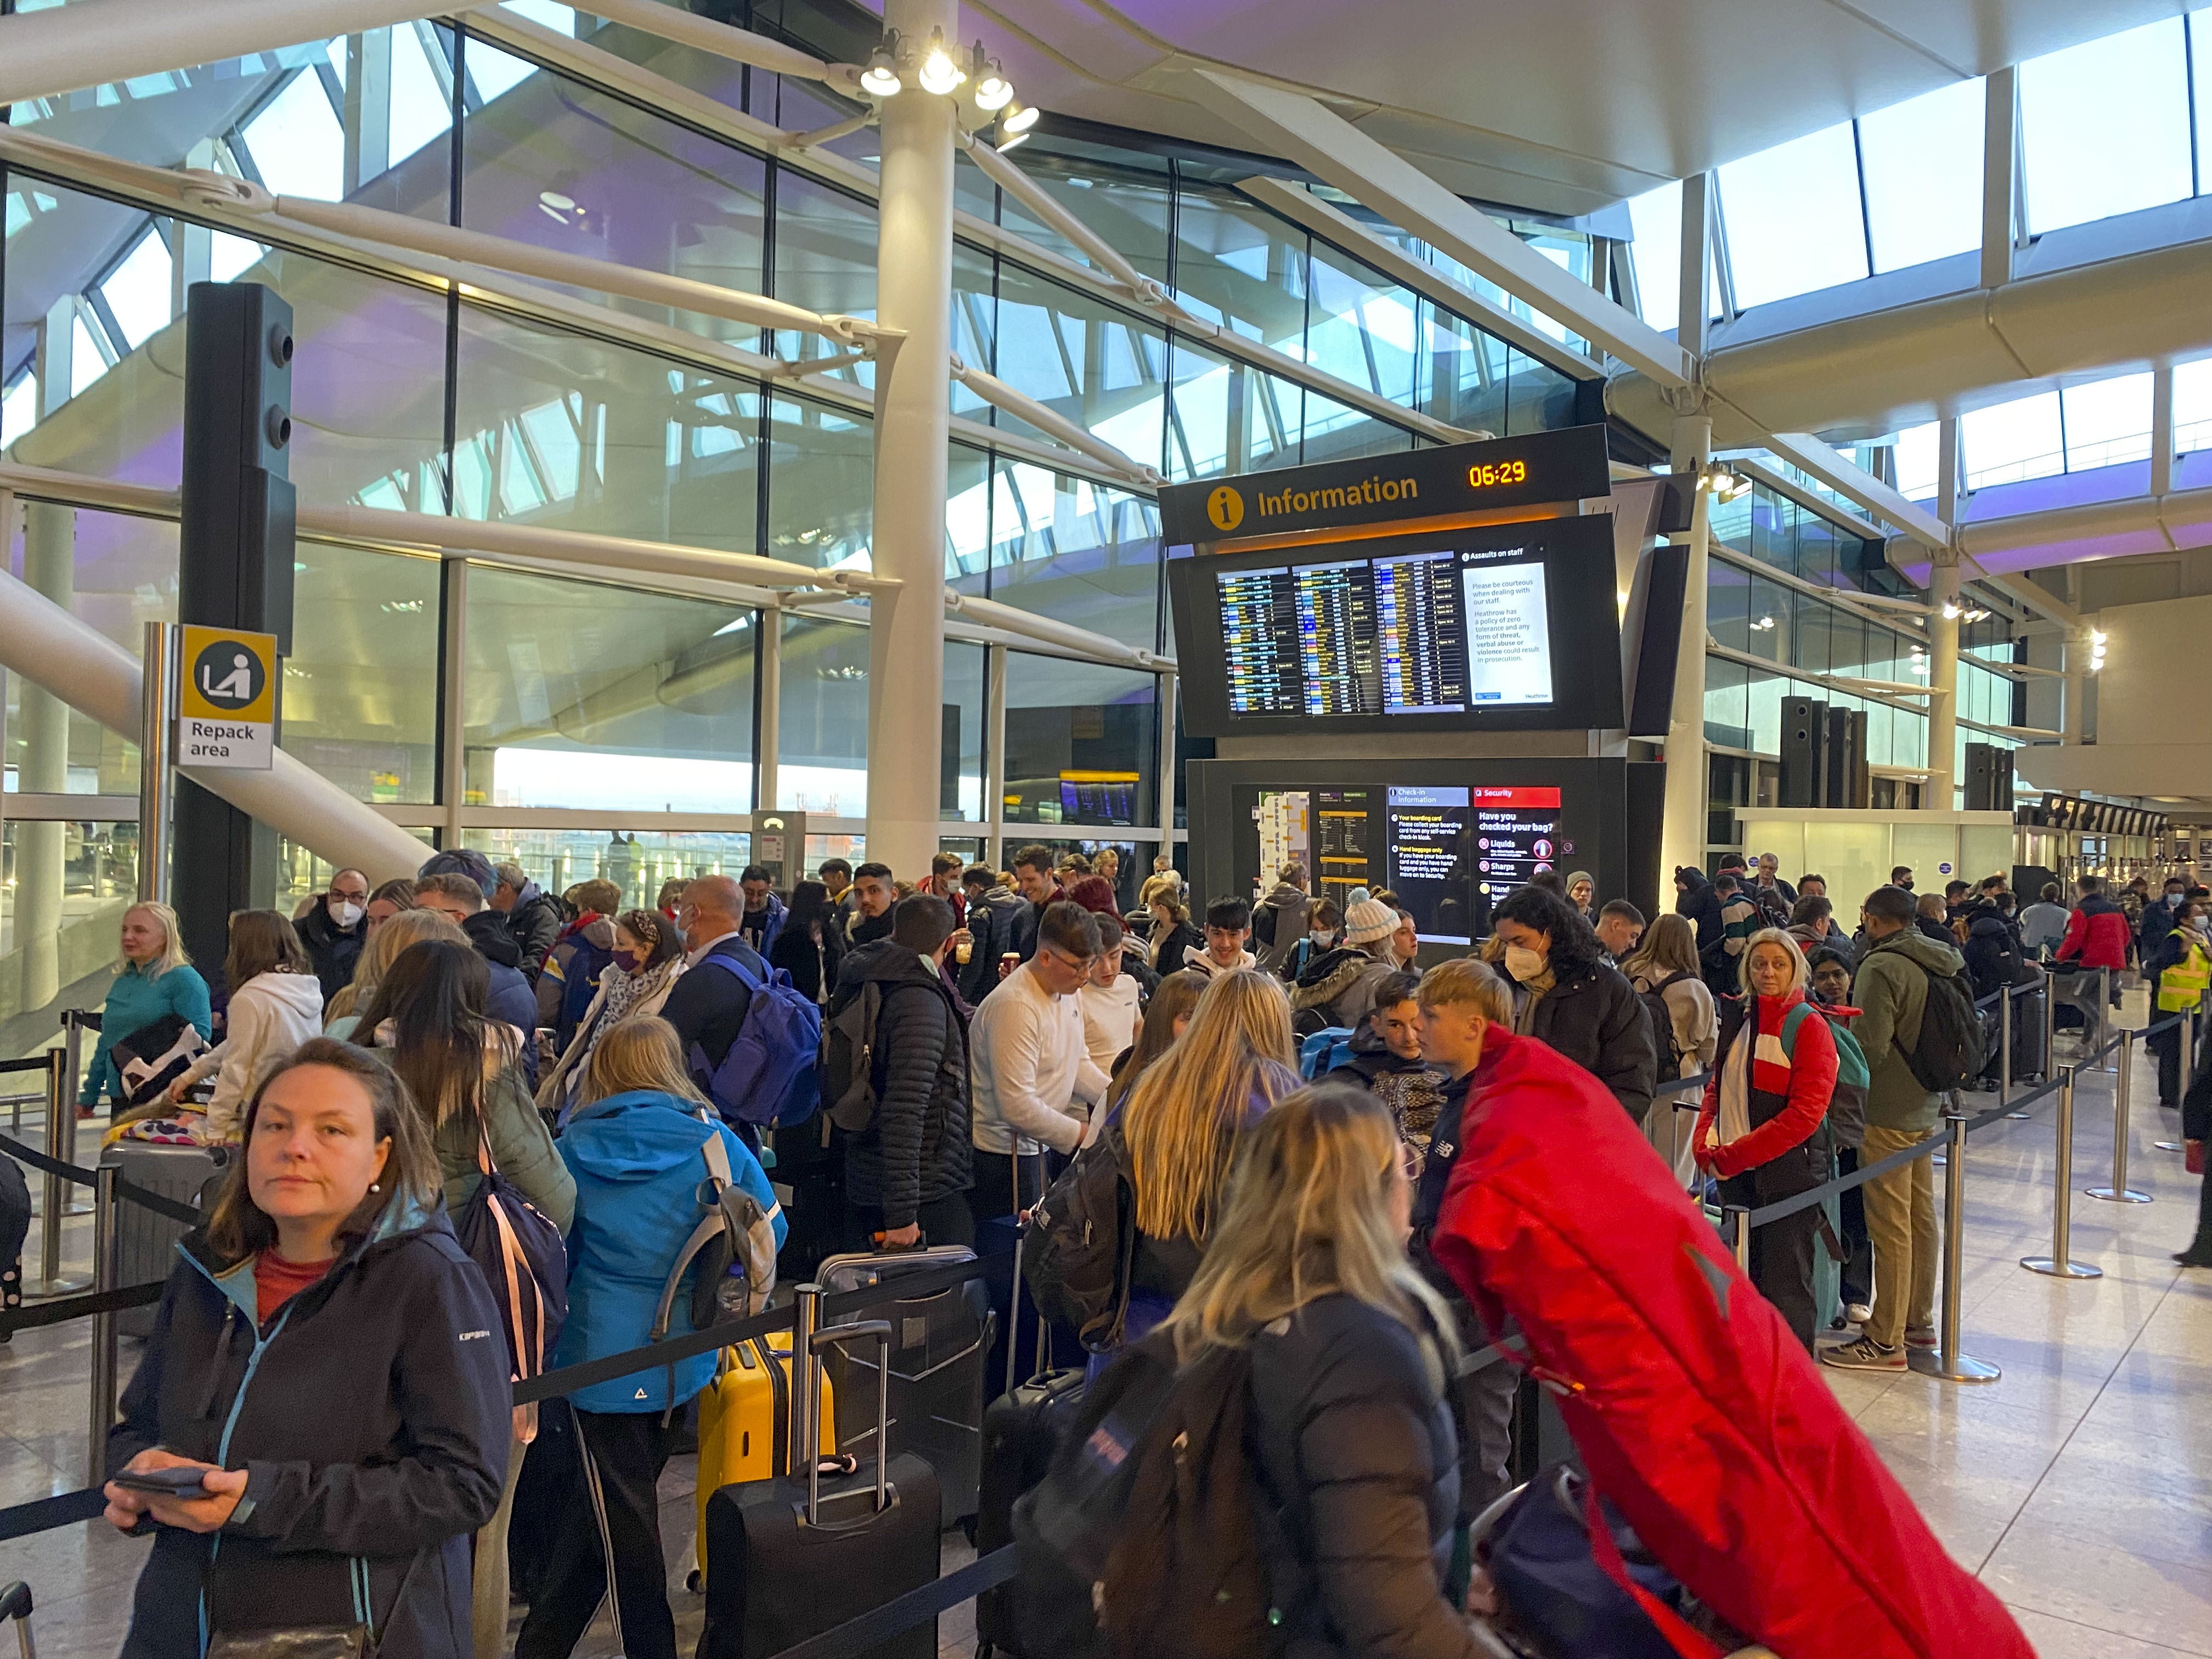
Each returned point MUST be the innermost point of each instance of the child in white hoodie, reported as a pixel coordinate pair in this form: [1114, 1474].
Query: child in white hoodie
[276, 1004]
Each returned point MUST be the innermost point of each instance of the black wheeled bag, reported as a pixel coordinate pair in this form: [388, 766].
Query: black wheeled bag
[801, 1554]
[1021, 1429]
[940, 1341]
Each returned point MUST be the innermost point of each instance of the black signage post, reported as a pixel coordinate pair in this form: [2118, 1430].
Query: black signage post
[234, 566]
[1544, 467]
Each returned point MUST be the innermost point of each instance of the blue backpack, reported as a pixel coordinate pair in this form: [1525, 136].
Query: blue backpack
[768, 1076]
[1324, 1051]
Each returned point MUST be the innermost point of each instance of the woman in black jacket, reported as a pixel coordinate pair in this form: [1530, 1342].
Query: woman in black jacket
[1351, 1351]
[811, 947]
[331, 1357]
[1567, 996]
[1694, 898]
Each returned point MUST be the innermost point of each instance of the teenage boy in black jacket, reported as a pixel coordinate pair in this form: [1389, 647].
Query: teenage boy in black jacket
[907, 1174]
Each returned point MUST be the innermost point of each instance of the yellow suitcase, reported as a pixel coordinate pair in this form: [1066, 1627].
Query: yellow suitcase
[745, 1423]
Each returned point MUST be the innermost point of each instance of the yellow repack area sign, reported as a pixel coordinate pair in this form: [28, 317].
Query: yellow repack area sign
[227, 698]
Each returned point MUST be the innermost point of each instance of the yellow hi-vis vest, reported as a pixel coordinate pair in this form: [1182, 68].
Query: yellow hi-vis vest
[2183, 986]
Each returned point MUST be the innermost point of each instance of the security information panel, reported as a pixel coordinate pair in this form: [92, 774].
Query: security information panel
[1504, 628]
[1449, 838]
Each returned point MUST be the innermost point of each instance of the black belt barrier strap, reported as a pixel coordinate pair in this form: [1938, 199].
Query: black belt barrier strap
[60, 1309]
[653, 1358]
[130, 1192]
[46, 1513]
[901, 1612]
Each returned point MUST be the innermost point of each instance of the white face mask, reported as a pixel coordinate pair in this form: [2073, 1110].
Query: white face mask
[344, 912]
[1322, 936]
[1523, 964]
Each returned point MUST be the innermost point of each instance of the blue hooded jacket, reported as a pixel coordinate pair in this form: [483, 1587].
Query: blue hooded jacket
[639, 1174]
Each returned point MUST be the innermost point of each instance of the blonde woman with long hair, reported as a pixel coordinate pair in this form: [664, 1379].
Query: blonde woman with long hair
[1306, 1292]
[153, 982]
[1180, 1125]
[392, 936]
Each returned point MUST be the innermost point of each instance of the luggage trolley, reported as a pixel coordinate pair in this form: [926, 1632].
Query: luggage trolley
[1504, 1638]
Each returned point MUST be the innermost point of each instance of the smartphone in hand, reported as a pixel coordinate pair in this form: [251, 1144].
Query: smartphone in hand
[183, 1483]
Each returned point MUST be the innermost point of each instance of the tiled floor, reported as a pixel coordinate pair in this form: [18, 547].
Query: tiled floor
[2079, 1486]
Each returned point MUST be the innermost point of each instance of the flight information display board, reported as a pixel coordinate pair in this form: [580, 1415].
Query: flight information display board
[1507, 626]
[1449, 851]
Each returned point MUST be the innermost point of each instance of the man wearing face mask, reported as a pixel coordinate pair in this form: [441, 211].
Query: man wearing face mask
[332, 934]
[1567, 996]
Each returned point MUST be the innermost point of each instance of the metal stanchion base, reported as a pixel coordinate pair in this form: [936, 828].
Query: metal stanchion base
[1960, 1369]
[2169, 1145]
[2129, 1195]
[2050, 1269]
[2023, 1116]
[39, 1289]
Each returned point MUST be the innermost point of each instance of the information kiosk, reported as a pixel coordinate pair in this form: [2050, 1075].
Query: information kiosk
[1412, 671]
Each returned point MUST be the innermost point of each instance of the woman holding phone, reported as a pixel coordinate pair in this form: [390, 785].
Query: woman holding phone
[326, 1273]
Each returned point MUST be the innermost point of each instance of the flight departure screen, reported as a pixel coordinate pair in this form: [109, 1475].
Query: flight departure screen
[1435, 632]
[1260, 640]
[1428, 848]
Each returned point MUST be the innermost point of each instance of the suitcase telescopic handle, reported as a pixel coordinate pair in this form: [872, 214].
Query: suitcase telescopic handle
[16, 1604]
[877, 1331]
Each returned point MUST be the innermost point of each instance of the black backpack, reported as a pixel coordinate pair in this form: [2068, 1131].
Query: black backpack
[1150, 1534]
[1662, 1024]
[848, 1066]
[1080, 1240]
[1951, 1049]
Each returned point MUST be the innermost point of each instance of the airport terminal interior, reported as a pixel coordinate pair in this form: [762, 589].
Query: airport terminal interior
[1370, 460]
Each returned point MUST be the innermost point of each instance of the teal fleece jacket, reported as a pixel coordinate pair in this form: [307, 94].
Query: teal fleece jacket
[134, 1002]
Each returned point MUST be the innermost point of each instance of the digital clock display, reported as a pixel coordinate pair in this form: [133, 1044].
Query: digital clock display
[1485, 474]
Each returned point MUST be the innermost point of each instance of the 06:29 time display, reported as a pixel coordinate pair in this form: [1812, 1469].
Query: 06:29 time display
[1496, 472]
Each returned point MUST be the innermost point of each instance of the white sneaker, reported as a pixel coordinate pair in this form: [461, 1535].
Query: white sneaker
[1857, 1313]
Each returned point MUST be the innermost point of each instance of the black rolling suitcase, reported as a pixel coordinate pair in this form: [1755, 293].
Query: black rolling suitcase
[939, 1342]
[2029, 1058]
[1021, 1431]
[801, 1554]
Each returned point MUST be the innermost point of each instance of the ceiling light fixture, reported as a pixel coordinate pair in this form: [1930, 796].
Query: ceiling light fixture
[1017, 118]
[881, 76]
[1951, 612]
[993, 92]
[940, 71]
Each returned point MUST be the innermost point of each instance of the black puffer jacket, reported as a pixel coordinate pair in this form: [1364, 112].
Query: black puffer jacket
[333, 954]
[1993, 955]
[371, 1416]
[1356, 1444]
[1701, 905]
[996, 923]
[915, 1148]
[535, 925]
[1596, 1020]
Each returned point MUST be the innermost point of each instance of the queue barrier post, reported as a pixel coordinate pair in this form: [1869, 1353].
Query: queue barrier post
[61, 1132]
[103, 1324]
[2122, 1092]
[2004, 1047]
[1740, 1236]
[2059, 1264]
[1948, 1361]
[805, 1433]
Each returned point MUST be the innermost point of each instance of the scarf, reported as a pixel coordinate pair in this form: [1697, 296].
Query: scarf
[1524, 1021]
[625, 990]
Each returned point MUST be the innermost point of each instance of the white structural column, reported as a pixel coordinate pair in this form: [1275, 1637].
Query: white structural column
[768, 750]
[1682, 824]
[2000, 169]
[994, 753]
[1943, 631]
[914, 293]
[50, 568]
[2078, 647]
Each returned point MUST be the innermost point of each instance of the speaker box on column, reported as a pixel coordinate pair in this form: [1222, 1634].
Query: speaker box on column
[1988, 778]
[1804, 752]
[234, 565]
[1849, 783]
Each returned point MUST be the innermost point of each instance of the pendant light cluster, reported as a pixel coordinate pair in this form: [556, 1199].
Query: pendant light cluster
[942, 70]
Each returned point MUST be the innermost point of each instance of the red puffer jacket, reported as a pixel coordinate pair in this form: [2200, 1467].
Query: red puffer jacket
[2097, 935]
[1698, 1413]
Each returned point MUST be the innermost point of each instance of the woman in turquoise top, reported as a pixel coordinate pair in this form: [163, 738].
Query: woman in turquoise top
[157, 979]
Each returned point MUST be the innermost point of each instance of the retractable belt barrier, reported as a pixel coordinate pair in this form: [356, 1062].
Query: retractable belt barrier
[123, 1189]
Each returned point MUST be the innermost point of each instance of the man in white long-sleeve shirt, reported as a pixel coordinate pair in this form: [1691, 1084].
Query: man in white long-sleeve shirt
[1028, 1065]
